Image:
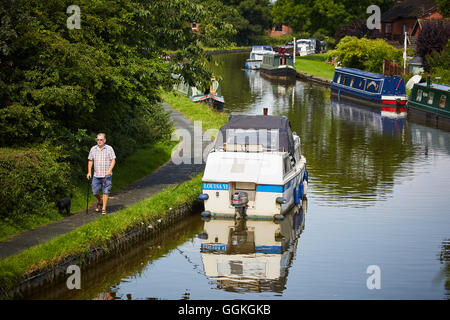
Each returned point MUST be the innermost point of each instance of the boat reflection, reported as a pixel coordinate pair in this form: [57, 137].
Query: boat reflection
[270, 93]
[380, 121]
[242, 255]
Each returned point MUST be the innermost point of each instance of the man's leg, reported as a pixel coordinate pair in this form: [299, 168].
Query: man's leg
[106, 190]
[96, 187]
[105, 201]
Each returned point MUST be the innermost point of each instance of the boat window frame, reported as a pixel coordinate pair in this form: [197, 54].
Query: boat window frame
[287, 165]
[442, 101]
[430, 97]
[419, 95]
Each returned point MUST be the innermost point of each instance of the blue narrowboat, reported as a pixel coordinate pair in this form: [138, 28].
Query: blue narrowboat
[386, 93]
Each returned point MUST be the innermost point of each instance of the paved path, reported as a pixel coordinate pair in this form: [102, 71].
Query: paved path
[166, 175]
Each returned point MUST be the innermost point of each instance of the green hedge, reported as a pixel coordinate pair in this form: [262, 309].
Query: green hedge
[31, 179]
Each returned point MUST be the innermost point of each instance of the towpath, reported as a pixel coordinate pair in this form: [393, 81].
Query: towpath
[168, 174]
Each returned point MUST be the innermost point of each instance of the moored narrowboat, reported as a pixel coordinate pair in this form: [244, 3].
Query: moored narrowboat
[431, 100]
[278, 66]
[211, 96]
[386, 93]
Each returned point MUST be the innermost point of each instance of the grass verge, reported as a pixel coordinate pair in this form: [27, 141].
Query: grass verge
[97, 233]
[136, 166]
[314, 65]
[210, 118]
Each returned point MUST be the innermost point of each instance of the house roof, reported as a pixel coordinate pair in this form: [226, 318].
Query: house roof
[416, 60]
[408, 9]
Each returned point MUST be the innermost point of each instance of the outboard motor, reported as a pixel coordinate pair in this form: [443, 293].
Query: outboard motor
[239, 200]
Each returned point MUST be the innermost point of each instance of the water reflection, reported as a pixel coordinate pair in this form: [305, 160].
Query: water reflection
[242, 255]
[382, 123]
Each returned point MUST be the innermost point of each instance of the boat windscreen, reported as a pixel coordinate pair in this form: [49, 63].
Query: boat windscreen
[258, 130]
[258, 139]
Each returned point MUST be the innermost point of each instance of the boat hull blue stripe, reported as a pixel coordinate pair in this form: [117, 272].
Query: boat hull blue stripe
[273, 189]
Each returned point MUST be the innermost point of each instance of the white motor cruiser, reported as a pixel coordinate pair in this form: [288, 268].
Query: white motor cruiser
[255, 169]
[256, 56]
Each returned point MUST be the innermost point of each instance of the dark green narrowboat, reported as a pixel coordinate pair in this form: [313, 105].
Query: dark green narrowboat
[278, 66]
[431, 100]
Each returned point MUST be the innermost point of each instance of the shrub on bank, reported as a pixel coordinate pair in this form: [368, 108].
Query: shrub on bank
[30, 180]
[365, 54]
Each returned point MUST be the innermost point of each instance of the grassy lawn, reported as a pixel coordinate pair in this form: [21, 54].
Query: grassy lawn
[314, 64]
[136, 166]
[210, 118]
[97, 233]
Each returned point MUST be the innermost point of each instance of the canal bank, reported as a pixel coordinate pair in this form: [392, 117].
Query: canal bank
[84, 238]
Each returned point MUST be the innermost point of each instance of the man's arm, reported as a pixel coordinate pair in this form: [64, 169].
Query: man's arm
[111, 166]
[89, 174]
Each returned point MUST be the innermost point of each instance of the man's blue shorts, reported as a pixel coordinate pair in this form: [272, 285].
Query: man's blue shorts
[101, 183]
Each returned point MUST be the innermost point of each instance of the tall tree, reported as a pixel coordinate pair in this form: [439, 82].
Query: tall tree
[325, 15]
[253, 20]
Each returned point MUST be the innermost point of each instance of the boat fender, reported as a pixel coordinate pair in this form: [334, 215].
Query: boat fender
[278, 217]
[281, 200]
[301, 192]
[203, 236]
[203, 196]
[339, 95]
[305, 188]
[297, 195]
[206, 214]
[305, 176]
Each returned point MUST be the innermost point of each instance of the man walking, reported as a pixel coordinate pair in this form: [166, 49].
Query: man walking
[103, 158]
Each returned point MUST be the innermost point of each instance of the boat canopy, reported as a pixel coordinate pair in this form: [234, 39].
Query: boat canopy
[270, 133]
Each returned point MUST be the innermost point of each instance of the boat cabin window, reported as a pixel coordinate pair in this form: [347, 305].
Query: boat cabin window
[442, 101]
[287, 164]
[419, 95]
[338, 79]
[430, 98]
[344, 82]
[361, 83]
[352, 81]
[372, 86]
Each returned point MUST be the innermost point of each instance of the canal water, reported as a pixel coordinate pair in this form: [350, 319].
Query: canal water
[376, 224]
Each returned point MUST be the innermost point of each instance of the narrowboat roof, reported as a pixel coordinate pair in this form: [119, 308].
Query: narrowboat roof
[438, 86]
[361, 73]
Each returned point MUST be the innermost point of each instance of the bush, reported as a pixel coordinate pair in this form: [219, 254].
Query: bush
[440, 65]
[30, 180]
[365, 54]
[433, 38]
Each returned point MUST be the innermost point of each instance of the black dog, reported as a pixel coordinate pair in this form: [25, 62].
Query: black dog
[64, 204]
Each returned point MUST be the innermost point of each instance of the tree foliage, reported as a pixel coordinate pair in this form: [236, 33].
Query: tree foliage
[251, 18]
[432, 38]
[65, 85]
[365, 54]
[325, 16]
[439, 64]
[443, 7]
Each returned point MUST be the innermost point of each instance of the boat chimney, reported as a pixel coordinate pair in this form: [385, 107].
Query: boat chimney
[429, 80]
[265, 111]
